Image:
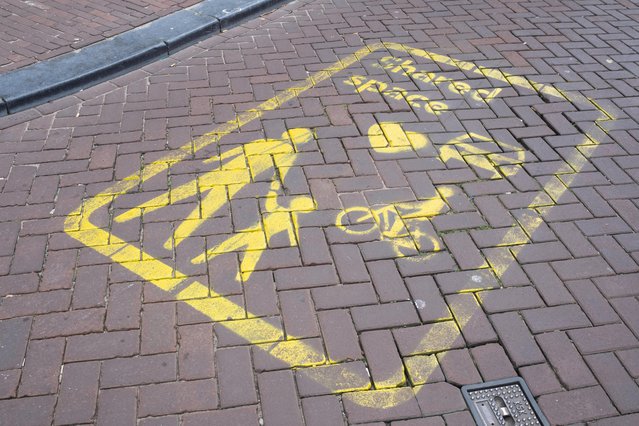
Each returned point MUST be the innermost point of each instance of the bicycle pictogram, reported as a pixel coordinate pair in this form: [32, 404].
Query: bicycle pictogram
[253, 176]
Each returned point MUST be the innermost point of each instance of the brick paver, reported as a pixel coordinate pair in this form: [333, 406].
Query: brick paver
[32, 31]
[338, 213]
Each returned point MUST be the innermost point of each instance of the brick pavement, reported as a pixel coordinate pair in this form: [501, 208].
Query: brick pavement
[339, 213]
[32, 31]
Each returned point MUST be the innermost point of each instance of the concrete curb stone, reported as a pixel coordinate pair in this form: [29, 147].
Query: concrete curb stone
[47, 80]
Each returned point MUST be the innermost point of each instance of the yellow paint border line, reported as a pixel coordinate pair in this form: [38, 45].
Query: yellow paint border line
[218, 308]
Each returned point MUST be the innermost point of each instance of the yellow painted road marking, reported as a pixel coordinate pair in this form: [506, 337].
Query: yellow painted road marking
[243, 165]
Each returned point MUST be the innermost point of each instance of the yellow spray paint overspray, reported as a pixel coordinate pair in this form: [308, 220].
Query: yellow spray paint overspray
[255, 161]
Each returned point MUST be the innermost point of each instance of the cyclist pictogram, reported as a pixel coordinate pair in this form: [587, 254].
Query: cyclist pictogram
[255, 178]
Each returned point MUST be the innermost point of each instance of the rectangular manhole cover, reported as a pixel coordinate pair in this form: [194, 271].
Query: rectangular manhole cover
[506, 402]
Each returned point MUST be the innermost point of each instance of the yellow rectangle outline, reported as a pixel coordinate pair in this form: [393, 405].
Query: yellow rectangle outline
[219, 308]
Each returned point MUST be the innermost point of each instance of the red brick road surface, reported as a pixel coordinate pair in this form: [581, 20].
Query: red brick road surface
[32, 30]
[339, 213]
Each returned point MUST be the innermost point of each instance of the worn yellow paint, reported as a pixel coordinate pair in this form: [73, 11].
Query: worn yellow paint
[420, 368]
[391, 379]
[339, 378]
[366, 84]
[295, 353]
[268, 161]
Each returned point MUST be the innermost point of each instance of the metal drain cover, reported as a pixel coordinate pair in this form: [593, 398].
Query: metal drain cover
[506, 402]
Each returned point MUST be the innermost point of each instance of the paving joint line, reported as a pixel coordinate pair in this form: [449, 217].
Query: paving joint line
[66, 74]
